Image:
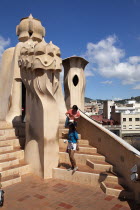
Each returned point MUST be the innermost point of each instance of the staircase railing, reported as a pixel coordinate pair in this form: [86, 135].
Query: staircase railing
[117, 151]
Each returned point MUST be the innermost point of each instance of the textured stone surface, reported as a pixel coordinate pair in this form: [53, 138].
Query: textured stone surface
[40, 66]
[74, 81]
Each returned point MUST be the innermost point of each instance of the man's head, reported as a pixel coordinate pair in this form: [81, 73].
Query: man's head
[72, 127]
[75, 107]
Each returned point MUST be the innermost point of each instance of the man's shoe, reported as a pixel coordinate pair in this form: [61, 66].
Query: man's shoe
[69, 169]
[75, 169]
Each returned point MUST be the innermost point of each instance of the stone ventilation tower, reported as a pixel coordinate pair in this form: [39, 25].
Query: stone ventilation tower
[40, 66]
[36, 65]
[74, 81]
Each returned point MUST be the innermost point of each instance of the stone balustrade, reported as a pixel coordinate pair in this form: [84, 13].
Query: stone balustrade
[117, 152]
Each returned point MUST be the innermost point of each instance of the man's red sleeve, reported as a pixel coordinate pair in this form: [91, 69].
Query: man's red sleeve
[68, 112]
[78, 114]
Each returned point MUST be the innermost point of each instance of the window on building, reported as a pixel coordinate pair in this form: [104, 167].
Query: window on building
[130, 126]
[124, 119]
[130, 119]
[124, 126]
[137, 126]
[137, 119]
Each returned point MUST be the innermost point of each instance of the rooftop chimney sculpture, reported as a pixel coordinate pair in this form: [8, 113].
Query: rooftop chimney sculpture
[37, 65]
[74, 81]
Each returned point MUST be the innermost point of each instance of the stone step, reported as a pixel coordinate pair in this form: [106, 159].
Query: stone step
[7, 132]
[8, 162]
[15, 153]
[98, 175]
[82, 168]
[6, 148]
[20, 169]
[63, 130]
[80, 142]
[84, 174]
[10, 180]
[113, 189]
[5, 125]
[99, 165]
[64, 135]
[80, 158]
[83, 142]
[61, 126]
[13, 142]
[87, 149]
[111, 177]
[82, 149]
[7, 137]
[77, 177]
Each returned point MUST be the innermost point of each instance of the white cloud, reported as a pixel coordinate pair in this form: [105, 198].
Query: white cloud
[3, 44]
[110, 61]
[89, 71]
[134, 59]
[107, 82]
[136, 87]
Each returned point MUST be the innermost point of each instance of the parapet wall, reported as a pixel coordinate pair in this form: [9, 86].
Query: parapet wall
[117, 152]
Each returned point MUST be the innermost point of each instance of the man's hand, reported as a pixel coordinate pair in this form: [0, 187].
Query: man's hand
[68, 116]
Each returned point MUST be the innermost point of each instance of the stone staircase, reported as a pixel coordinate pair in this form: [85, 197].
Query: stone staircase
[12, 165]
[92, 168]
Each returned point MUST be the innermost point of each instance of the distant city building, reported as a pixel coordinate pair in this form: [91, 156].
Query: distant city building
[93, 108]
[121, 119]
[127, 116]
[129, 107]
[107, 109]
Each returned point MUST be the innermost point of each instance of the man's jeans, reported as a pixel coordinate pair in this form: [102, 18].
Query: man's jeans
[67, 123]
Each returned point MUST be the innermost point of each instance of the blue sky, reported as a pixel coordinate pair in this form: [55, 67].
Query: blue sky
[105, 32]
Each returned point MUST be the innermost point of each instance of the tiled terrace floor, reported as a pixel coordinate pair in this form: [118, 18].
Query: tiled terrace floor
[34, 193]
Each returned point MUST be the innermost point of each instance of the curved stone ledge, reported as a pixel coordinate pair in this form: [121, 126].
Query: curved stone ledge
[117, 138]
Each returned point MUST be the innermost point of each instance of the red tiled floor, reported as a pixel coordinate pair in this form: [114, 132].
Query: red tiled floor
[34, 193]
[109, 198]
[65, 205]
[59, 185]
[117, 206]
[39, 196]
[24, 198]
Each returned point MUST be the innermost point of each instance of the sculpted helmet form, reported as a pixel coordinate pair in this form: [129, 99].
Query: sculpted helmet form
[30, 27]
[34, 55]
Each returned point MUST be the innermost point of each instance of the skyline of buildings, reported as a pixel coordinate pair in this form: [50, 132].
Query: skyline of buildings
[122, 119]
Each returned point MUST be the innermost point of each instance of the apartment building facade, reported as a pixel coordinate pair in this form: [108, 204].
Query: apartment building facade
[130, 123]
[126, 117]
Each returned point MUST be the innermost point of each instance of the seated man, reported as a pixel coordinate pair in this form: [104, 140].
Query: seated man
[72, 116]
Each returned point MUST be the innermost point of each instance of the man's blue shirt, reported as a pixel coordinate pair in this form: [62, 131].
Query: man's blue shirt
[72, 136]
